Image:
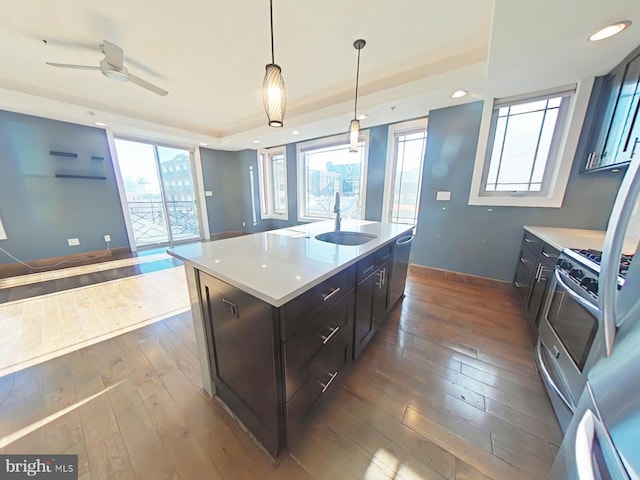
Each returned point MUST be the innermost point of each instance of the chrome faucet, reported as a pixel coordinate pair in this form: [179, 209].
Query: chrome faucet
[336, 210]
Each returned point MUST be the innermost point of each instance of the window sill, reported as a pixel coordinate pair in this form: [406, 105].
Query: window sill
[274, 217]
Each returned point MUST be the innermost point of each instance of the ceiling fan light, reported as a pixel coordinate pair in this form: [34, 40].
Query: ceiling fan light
[354, 135]
[274, 95]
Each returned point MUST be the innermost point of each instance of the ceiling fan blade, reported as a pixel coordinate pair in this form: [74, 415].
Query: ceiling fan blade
[113, 54]
[76, 67]
[149, 86]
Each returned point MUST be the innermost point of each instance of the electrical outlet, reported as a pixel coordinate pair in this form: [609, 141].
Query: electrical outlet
[208, 193]
[244, 224]
[107, 238]
[73, 242]
[443, 196]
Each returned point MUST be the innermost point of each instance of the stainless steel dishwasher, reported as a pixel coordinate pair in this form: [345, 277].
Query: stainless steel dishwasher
[400, 267]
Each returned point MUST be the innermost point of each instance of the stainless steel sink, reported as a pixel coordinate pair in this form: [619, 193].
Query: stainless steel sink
[346, 238]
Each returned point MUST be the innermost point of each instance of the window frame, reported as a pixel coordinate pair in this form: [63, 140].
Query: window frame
[391, 167]
[324, 142]
[558, 176]
[266, 187]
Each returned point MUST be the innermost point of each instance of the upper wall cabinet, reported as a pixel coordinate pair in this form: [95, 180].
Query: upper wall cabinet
[614, 135]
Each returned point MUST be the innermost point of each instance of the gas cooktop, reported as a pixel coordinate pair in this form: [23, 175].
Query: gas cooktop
[595, 256]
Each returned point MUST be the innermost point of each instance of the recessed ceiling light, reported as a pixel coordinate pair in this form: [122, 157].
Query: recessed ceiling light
[202, 144]
[256, 141]
[363, 116]
[459, 94]
[295, 132]
[100, 124]
[609, 31]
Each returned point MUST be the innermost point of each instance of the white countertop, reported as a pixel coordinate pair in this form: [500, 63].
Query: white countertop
[278, 265]
[574, 238]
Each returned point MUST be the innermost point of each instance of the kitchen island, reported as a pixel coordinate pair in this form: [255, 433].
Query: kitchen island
[279, 314]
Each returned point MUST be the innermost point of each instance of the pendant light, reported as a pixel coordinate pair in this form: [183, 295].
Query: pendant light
[354, 126]
[274, 96]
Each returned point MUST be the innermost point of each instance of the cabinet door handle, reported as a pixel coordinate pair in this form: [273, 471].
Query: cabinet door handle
[528, 240]
[326, 385]
[537, 275]
[518, 284]
[329, 295]
[549, 255]
[523, 261]
[326, 338]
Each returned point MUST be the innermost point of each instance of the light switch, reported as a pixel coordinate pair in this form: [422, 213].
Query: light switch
[208, 193]
[443, 196]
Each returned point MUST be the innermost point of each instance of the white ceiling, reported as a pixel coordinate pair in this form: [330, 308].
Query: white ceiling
[210, 56]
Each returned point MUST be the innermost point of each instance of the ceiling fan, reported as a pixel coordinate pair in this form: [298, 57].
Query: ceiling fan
[112, 66]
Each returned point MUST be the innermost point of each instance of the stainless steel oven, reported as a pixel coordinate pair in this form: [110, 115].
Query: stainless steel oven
[570, 337]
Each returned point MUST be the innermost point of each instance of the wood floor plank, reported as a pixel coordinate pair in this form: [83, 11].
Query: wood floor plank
[480, 459]
[464, 471]
[366, 407]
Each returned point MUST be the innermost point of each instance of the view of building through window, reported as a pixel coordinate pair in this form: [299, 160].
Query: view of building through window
[158, 182]
[327, 169]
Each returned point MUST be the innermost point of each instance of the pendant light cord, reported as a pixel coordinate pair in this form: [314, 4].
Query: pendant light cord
[355, 108]
[271, 17]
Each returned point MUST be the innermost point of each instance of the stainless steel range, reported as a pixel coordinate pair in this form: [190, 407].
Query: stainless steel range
[571, 338]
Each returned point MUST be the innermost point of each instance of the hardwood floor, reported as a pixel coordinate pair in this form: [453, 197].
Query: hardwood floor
[446, 390]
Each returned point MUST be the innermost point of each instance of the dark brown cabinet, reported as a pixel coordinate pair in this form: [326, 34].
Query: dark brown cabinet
[273, 365]
[372, 300]
[533, 272]
[612, 133]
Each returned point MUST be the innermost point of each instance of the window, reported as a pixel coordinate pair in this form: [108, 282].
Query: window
[325, 167]
[272, 168]
[526, 147]
[524, 143]
[405, 158]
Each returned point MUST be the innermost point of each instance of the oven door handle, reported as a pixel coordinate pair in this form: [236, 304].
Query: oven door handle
[549, 380]
[587, 305]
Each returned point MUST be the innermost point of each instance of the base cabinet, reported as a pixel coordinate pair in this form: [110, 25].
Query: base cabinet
[372, 301]
[273, 366]
[533, 273]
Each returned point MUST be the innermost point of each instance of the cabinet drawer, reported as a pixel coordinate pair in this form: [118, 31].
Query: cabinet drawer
[301, 310]
[321, 332]
[371, 263]
[322, 375]
[548, 255]
[532, 242]
[384, 254]
[522, 282]
[528, 259]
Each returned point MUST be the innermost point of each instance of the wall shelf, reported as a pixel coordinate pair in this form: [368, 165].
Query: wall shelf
[63, 154]
[91, 177]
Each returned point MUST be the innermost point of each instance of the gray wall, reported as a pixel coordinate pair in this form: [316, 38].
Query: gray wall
[223, 176]
[375, 172]
[485, 241]
[39, 211]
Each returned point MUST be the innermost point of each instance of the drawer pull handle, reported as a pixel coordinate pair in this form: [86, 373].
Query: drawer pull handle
[329, 295]
[326, 385]
[549, 255]
[523, 261]
[326, 338]
[528, 240]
